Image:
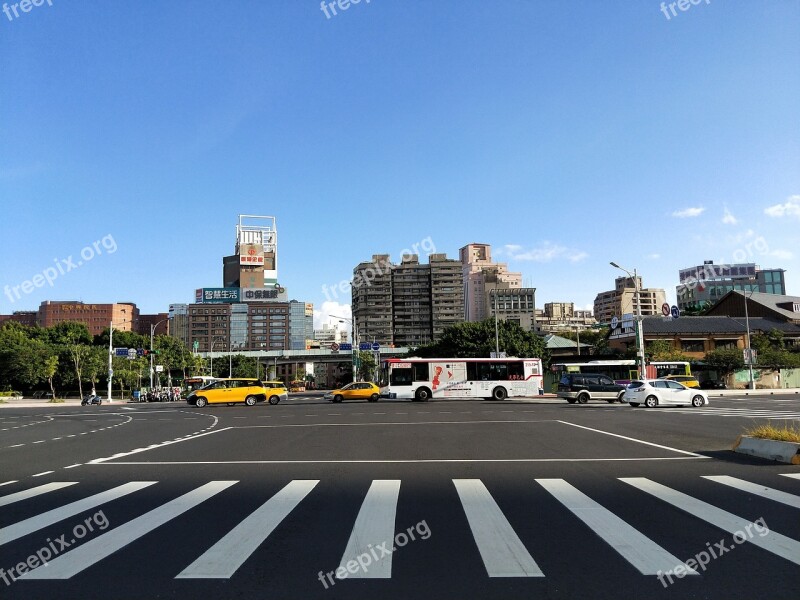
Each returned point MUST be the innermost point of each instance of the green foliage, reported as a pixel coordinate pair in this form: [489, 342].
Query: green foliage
[726, 360]
[367, 366]
[477, 340]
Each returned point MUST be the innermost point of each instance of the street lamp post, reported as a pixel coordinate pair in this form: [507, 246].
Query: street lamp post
[152, 332]
[749, 352]
[211, 355]
[355, 344]
[639, 321]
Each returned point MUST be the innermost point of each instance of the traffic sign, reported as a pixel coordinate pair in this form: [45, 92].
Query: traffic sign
[376, 346]
[120, 352]
[675, 312]
[365, 346]
[131, 353]
[614, 322]
[665, 310]
[346, 346]
[335, 347]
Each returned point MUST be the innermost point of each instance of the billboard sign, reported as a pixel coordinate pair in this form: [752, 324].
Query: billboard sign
[251, 254]
[217, 295]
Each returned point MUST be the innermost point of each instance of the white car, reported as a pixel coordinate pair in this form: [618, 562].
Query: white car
[657, 392]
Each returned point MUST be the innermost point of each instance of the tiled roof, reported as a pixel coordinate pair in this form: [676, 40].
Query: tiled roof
[712, 325]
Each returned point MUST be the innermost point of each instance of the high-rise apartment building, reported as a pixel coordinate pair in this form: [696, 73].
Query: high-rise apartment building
[707, 283]
[407, 304]
[228, 327]
[480, 275]
[622, 300]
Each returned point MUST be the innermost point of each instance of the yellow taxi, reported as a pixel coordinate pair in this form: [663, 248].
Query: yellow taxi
[358, 390]
[686, 380]
[238, 390]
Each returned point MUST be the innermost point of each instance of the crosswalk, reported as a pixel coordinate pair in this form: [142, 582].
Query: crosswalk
[719, 411]
[503, 551]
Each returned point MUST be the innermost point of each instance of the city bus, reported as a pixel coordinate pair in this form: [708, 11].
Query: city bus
[623, 371]
[421, 379]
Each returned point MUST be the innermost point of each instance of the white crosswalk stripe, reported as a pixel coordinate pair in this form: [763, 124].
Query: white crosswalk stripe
[773, 542]
[75, 561]
[42, 489]
[17, 530]
[502, 551]
[758, 490]
[752, 413]
[374, 527]
[499, 546]
[642, 552]
[228, 554]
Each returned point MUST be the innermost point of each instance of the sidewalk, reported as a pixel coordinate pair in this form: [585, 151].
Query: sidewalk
[44, 403]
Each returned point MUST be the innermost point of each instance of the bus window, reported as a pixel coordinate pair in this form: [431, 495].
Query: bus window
[498, 371]
[516, 370]
[421, 372]
[401, 377]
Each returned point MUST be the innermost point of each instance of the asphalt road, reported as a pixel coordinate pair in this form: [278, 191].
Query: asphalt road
[446, 499]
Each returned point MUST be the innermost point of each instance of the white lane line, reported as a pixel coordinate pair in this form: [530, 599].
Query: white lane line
[17, 530]
[773, 542]
[16, 446]
[793, 475]
[643, 553]
[630, 439]
[75, 561]
[374, 526]
[73, 466]
[223, 559]
[43, 473]
[9, 482]
[40, 442]
[176, 441]
[758, 490]
[30, 493]
[502, 551]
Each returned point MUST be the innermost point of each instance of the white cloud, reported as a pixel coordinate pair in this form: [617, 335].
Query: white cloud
[546, 252]
[689, 212]
[728, 218]
[782, 254]
[324, 314]
[791, 208]
[653, 256]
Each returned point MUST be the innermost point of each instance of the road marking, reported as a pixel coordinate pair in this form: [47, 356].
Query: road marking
[176, 441]
[40, 442]
[793, 475]
[9, 482]
[502, 551]
[374, 526]
[643, 553]
[773, 542]
[43, 473]
[17, 530]
[624, 437]
[75, 561]
[223, 559]
[36, 491]
[16, 446]
[73, 466]
[758, 490]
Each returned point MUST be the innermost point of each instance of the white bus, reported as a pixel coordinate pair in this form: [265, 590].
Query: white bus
[421, 379]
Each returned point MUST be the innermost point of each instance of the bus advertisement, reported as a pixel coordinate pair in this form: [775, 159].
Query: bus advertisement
[421, 379]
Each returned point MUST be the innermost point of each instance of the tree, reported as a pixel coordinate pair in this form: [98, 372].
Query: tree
[367, 366]
[726, 360]
[662, 350]
[477, 340]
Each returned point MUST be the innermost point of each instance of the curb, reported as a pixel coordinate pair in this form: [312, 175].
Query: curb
[785, 452]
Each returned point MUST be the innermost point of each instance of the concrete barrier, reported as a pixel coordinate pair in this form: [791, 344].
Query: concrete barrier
[785, 452]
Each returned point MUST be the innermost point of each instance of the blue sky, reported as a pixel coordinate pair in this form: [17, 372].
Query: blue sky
[565, 134]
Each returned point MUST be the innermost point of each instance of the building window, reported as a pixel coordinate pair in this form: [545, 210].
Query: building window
[692, 346]
[725, 344]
